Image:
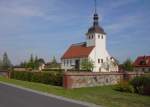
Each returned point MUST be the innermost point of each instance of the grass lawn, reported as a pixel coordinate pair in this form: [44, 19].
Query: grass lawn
[104, 95]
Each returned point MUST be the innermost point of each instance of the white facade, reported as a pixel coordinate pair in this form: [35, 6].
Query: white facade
[103, 62]
[99, 54]
[96, 38]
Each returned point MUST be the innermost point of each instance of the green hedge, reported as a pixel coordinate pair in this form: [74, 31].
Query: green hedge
[141, 84]
[49, 69]
[53, 78]
[124, 86]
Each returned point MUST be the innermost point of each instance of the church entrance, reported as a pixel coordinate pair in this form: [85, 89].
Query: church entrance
[77, 64]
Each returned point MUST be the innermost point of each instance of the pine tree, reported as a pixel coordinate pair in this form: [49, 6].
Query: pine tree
[6, 64]
[128, 65]
[0, 64]
[31, 62]
[36, 63]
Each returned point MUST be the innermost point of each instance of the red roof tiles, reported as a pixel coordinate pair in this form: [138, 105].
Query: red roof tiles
[77, 51]
[142, 61]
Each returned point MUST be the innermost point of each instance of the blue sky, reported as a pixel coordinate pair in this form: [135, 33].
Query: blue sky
[46, 28]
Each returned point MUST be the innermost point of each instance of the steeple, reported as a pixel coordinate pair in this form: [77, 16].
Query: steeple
[95, 18]
[96, 28]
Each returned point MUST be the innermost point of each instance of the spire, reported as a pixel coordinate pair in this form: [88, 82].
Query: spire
[95, 18]
[95, 6]
[96, 28]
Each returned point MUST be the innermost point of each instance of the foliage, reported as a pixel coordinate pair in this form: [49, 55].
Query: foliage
[87, 65]
[50, 69]
[33, 62]
[1, 64]
[140, 84]
[53, 64]
[5, 63]
[127, 65]
[53, 78]
[108, 64]
[124, 86]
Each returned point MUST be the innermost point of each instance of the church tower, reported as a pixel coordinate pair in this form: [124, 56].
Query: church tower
[94, 49]
[96, 37]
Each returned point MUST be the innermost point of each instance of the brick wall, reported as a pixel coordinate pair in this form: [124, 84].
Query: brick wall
[90, 79]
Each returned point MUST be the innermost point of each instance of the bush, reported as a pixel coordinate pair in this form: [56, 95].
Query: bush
[48, 69]
[124, 86]
[141, 84]
[53, 78]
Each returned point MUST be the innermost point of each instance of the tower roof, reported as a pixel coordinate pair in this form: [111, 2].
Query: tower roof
[96, 28]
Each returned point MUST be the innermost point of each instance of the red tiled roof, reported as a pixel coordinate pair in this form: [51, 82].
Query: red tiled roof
[142, 61]
[77, 51]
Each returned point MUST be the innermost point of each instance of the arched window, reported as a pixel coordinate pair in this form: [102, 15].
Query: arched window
[102, 36]
[98, 36]
[89, 37]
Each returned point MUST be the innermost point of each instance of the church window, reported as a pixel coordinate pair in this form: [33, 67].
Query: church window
[98, 36]
[102, 36]
[92, 36]
[67, 62]
[98, 60]
[89, 37]
[102, 61]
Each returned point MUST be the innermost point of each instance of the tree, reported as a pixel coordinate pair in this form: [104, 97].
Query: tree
[109, 64]
[87, 64]
[31, 62]
[127, 65]
[36, 63]
[6, 64]
[1, 64]
[41, 60]
[23, 64]
[54, 61]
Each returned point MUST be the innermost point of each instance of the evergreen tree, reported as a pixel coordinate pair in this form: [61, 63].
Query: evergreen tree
[54, 63]
[6, 64]
[1, 64]
[36, 63]
[31, 62]
[128, 65]
[54, 60]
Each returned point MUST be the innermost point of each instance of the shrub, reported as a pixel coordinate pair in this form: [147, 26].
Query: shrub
[124, 86]
[141, 84]
[49, 69]
[53, 78]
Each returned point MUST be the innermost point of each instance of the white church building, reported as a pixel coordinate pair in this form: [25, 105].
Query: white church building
[94, 49]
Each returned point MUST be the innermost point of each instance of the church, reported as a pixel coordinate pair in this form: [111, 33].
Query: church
[94, 49]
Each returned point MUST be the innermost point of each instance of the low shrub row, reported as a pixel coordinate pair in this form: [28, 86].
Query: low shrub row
[53, 78]
[124, 86]
[139, 85]
[50, 69]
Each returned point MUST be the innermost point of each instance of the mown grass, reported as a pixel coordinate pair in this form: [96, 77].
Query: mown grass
[104, 95]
